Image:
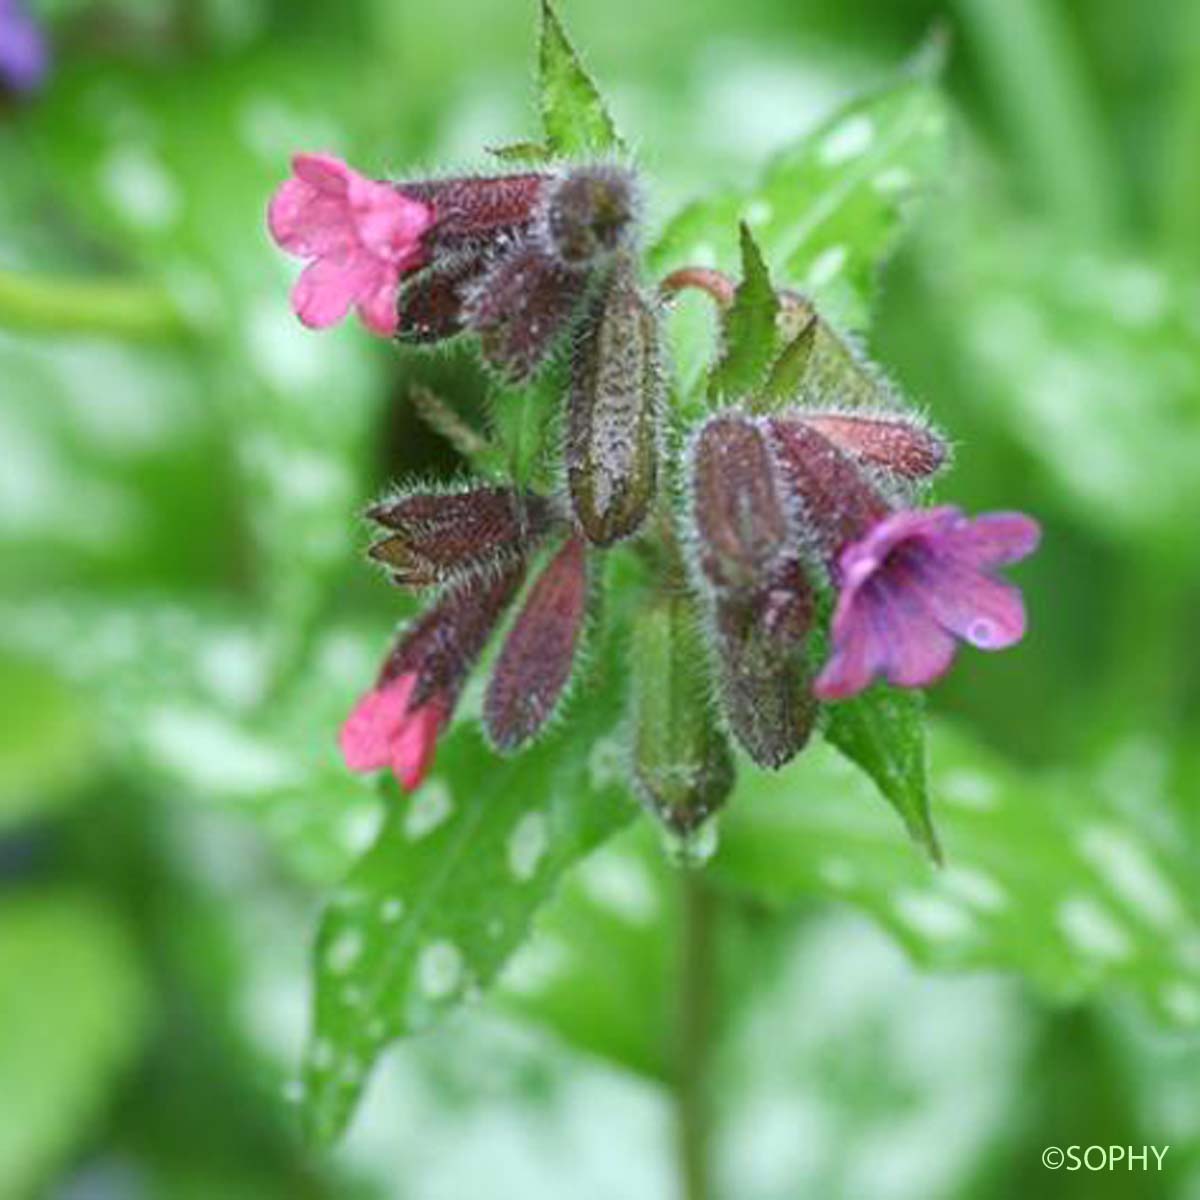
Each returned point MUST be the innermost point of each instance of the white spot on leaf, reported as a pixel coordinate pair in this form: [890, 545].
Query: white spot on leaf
[440, 970]
[1092, 929]
[932, 916]
[826, 267]
[847, 141]
[344, 951]
[527, 845]
[430, 807]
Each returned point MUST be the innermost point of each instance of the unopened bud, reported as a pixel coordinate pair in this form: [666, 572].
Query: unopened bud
[838, 503]
[740, 515]
[535, 663]
[893, 442]
[613, 410]
[430, 306]
[764, 677]
[682, 764]
[441, 647]
[440, 535]
[520, 307]
[478, 212]
[590, 213]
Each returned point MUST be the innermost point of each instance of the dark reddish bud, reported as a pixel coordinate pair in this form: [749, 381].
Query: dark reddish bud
[535, 662]
[477, 212]
[590, 213]
[681, 761]
[741, 518]
[613, 410]
[440, 535]
[441, 647]
[893, 442]
[764, 677]
[520, 307]
[838, 504]
[762, 602]
[430, 307]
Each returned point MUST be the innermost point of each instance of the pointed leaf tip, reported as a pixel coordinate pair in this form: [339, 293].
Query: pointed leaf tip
[574, 115]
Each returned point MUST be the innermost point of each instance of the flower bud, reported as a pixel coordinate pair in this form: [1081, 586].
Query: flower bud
[535, 663]
[740, 516]
[763, 670]
[681, 760]
[895, 442]
[612, 412]
[520, 307]
[430, 306]
[440, 535]
[591, 211]
[477, 212]
[441, 647]
[836, 500]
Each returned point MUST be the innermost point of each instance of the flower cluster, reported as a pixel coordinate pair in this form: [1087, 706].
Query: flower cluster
[783, 504]
[475, 547]
[784, 513]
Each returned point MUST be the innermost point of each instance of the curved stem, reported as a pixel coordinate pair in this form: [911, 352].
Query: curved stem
[695, 1013]
[44, 304]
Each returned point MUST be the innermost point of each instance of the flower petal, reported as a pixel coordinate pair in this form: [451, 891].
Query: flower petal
[415, 745]
[992, 539]
[378, 309]
[326, 290]
[369, 732]
[986, 612]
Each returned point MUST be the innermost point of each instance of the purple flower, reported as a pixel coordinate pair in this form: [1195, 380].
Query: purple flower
[24, 55]
[912, 585]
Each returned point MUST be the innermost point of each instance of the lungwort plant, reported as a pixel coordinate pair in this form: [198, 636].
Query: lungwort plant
[687, 544]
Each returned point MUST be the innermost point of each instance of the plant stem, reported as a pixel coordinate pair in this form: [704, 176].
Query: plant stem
[695, 1013]
[43, 304]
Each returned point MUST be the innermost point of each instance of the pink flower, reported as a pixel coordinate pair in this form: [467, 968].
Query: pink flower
[362, 237]
[912, 585]
[382, 731]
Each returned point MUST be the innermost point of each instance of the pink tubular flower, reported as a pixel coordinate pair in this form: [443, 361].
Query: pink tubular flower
[362, 237]
[912, 585]
[382, 731]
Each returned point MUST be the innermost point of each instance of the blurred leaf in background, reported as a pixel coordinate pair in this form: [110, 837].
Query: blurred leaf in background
[184, 619]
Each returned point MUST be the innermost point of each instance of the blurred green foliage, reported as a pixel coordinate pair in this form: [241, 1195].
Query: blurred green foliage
[185, 619]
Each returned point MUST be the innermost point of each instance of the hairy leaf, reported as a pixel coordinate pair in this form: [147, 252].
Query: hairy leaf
[750, 335]
[573, 112]
[827, 212]
[446, 893]
[1046, 874]
[882, 731]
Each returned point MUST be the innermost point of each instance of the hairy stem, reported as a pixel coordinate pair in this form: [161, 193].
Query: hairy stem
[695, 1014]
[44, 304]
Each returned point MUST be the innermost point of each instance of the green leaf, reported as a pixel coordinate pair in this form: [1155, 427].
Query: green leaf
[446, 894]
[574, 116]
[71, 1014]
[600, 965]
[1049, 874]
[828, 210]
[749, 330]
[882, 731]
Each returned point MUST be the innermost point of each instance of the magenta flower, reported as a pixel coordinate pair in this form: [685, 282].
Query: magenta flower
[914, 584]
[382, 731]
[24, 55]
[362, 237]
